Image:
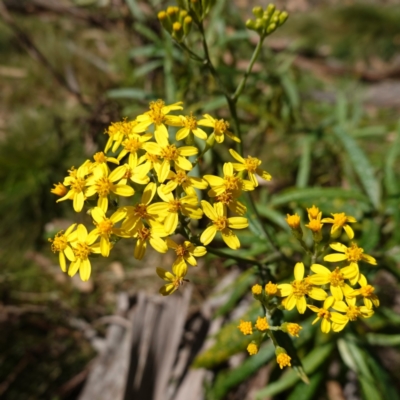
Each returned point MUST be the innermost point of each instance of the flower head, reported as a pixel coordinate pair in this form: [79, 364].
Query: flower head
[293, 221]
[59, 189]
[221, 128]
[189, 124]
[186, 251]
[271, 289]
[245, 327]
[283, 360]
[256, 289]
[366, 291]
[314, 213]
[174, 279]
[61, 244]
[323, 313]
[252, 348]
[339, 221]
[262, 324]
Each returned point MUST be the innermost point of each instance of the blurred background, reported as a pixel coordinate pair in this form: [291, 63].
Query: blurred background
[321, 110]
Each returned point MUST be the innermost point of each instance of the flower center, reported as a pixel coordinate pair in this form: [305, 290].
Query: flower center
[141, 210]
[221, 223]
[313, 212]
[340, 219]
[315, 225]
[170, 152]
[121, 128]
[300, 288]
[59, 243]
[353, 313]
[336, 278]
[144, 234]
[132, 145]
[354, 253]
[190, 122]
[181, 251]
[251, 163]
[105, 227]
[367, 291]
[174, 206]
[180, 177]
[155, 113]
[100, 157]
[78, 184]
[103, 186]
[322, 313]
[232, 182]
[82, 251]
[221, 126]
[128, 172]
[225, 198]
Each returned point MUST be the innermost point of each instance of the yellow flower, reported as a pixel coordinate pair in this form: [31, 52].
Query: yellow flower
[182, 179]
[293, 221]
[105, 227]
[101, 158]
[271, 289]
[220, 128]
[189, 125]
[132, 145]
[186, 251]
[250, 164]
[339, 221]
[153, 235]
[336, 279]
[315, 225]
[157, 115]
[262, 324]
[252, 348]
[117, 132]
[352, 313]
[77, 182]
[366, 292]
[150, 161]
[60, 244]
[228, 199]
[323, 313]
[229, 183]
[353, 254]
[296, 291]
[170, 153]
[314, 213]
[292, 329]
[256, 289]
[59, 189]
[82, 248]
[172, 207]
[220, 223]
[245, 327]
[142, 211]
[283, 360]
[174, 279]
[137, 174]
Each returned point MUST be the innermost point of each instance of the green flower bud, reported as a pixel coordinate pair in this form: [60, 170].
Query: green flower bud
[250, 24]
[187, 25]
[270, 9]
[258, 12]
[182, 15]
[165, 21]
[196, 6]
[271, 28]
[177, 31]
[283, 17]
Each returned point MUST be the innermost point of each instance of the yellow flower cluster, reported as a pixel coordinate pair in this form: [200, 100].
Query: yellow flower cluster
[141, 158]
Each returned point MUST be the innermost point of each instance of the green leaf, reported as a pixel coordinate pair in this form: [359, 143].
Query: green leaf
[368, 131]
[254, 222]
[273, 215]
[291, 90]
[303, 174]
[303, 391]
[129, 93]
[135, 10]
[146, 31]
[379, 339]
[361, 165]
[392, 185]
[311, 362]
[147, 68]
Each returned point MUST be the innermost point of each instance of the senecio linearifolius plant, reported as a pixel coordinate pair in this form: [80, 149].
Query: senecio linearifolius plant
[154, 162]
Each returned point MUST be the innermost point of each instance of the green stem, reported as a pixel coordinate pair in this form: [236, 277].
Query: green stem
[253, 59]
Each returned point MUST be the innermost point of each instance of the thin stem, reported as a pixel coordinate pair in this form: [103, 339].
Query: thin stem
[253, 59]
[234, 257]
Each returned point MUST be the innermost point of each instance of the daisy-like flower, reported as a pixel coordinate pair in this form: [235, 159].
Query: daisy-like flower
[220, 223]
[157, 115]
[189, 125]
[352, 313]
[174, 279]
[182, 179]
[103, 183]
[173, 206]
[353, 254]
[77, 183]
[59, 189]
[132, 145]
[251, 165]
[117, 132]
[315, 225]
[324, 314]
[61, 244]
[186, 251]
[136, 174]
[339, 221]
[297, 291]
[314, 213]
[143, 210]
[153, 235]
[172, 154]
[229, 183]
[150, 161]
[101, 158]
[228, 199]
[335, 278]
[366, 291]
[220, 128]
[105, 227]
[82, 247]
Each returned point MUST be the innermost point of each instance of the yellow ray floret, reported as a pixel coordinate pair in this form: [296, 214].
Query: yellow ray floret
[61, 245]
[323, 313]
[220, 128]
[339, 221]
[174, 279]
[186, 251]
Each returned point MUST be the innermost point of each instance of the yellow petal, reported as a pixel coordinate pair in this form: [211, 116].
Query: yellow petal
[299, 271]
[208, 235]
[325, 326]
[104, 246]
[123, 190]
[338, 247]
[62, 261]
[301, 305]
[158, 244]
[285, 289]
[81, 233]
[317, 294]
[320, 269]
[78, 201]
[236, 156]
[349, 231]
[231, 240]
[85, 270]
[164, 274]
[335, 257]
[209, 210]
[336, 293]
[149, 192]
[238, 222]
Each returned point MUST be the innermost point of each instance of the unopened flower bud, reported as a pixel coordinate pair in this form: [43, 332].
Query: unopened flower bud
[165, 21]
[187, 25]
[283, 17]
[258, 12]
